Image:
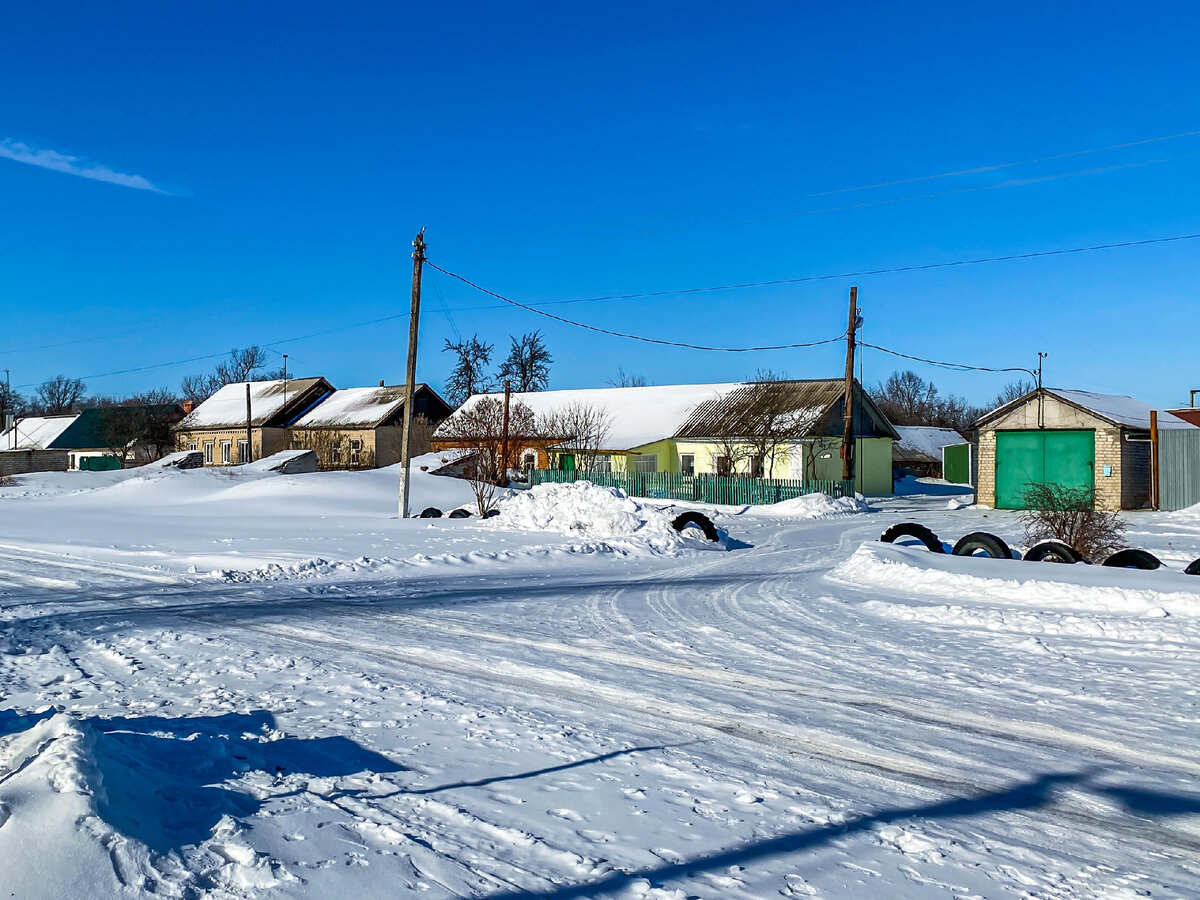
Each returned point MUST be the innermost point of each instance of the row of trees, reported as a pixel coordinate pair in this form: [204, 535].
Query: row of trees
[908, 399]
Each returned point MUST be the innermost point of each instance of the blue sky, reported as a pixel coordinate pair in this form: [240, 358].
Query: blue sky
[256, 172]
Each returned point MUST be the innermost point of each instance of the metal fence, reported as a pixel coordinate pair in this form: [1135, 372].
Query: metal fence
[732, 490]
[1178, 467]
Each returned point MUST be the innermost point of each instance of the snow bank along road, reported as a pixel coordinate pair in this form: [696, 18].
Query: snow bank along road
[267, 686]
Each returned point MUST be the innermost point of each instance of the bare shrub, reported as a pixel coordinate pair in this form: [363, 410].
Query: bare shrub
[1057, 513]
[581, 428]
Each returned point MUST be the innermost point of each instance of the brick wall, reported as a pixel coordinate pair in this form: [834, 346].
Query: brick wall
[985, 469]
[22, 462]
[1108, 453]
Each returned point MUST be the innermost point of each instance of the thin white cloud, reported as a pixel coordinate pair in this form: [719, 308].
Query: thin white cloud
[73, 165]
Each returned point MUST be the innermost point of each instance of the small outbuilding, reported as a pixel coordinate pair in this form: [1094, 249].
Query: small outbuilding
[929, 452]
[1076, 439]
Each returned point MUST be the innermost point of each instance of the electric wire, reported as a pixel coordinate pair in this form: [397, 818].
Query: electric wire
[627, 336]
[889, 271]
[955, 367]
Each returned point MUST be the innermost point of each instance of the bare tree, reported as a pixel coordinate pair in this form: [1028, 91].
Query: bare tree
[908, 399]
[334, 448]
[159, 411]
[527, 366]
[625, 379]
[469, 375]
[118, 428]
[60, 395]
[759, 421]
[581, 427]
[242, 365]
[12, 403]
[479, 429]
[1014, 390]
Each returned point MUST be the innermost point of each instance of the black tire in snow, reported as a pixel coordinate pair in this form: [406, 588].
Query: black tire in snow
[491, 514]
[1133, 559]
[459, 514]
[1053, 552]
[1193, 568]
[911, 529]
[431, 512]
[989, 544]
[700, 520]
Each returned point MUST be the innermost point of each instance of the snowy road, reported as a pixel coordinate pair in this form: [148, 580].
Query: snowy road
[529, 716]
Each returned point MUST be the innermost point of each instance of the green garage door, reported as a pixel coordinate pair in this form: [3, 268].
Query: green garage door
[1067, 458]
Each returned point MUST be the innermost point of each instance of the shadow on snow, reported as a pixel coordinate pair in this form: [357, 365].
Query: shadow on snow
[161, 779]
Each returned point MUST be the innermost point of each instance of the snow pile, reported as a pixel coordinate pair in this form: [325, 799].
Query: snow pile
[588, 510]
[813, 506]
[1042, 585]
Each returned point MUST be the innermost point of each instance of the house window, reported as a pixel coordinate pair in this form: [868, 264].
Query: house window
[226, 452]
[244, 452]
[335, 454]
[208, 453]
[756, 467]
[687, 464]
[722, 464]
[192, 445]
[646, 462]
[355, 446]
[529, 459]
[602, 463]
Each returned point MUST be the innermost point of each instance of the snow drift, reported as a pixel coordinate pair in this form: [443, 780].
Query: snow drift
[583, 509]
[1043, 585]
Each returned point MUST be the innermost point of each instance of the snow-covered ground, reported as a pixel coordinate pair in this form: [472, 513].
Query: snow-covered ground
[248, 684]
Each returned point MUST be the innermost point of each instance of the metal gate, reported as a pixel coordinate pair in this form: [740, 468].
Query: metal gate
[956, 463]
[1067, 458]
[1178, 467]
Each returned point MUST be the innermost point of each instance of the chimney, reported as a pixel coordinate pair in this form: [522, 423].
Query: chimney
[381, 382]
[188, 406]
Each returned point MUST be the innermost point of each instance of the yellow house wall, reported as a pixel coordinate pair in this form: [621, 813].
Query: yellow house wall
[263, 441]
[874, 461]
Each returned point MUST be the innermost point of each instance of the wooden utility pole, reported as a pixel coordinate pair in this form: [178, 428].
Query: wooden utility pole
[249, 428]
[504, 437]
[1154, 498]
[410, 377]
[848, 403]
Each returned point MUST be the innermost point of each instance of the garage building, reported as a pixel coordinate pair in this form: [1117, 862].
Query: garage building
[1077, 439]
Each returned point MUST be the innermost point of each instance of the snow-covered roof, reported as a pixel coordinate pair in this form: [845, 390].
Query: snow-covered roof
[227, 407]
[35, 432]
[924, 440]
[1119, 409]
[640, 415]
[354, 408]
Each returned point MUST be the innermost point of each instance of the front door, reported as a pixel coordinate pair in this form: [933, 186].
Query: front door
[1066, 458]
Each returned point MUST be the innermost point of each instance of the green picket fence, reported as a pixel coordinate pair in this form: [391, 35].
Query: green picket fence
[731, 490]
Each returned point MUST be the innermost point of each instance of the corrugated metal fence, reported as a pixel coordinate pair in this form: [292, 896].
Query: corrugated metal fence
[700, 488]
[1178, 467]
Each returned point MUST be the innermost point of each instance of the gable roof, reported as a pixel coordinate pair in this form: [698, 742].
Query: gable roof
[35, 432]
[272, 403]
[808, 403]
[922, 443]
[367, 407]
[640, 415]
[644, 415]
[1116, 409]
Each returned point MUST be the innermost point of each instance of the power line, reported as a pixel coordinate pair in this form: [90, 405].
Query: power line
[621, 334]
[956, 173]
[957, 367]
[867, 272]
